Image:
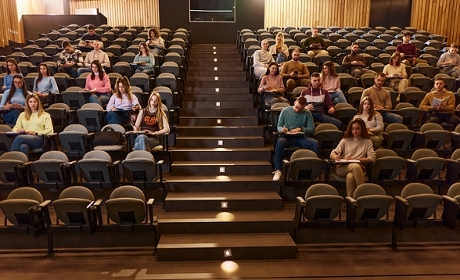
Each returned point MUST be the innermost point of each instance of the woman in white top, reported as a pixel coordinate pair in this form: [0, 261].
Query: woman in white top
[372, 119]
[330, 81]
[121, 102]
[262, 59]
[45, 84]
[272, 85]
[280, 49]
[396, 73]
[155, 42]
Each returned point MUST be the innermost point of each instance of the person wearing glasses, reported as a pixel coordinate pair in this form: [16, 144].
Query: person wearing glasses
[31, 125]
[14, 100]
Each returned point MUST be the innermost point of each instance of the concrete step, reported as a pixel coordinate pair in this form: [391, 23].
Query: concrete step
[217, 112]
[220, 68]
[212, 121]
[227, 183]
[217, 88]
[218, 84]
[208, 222]
[218, 57]
[219, 131]
[217, 104]
[218, 97]
[216, 77]
[235, 154]
[247, 167]
[219, 142]
[222, 201]
[219, 71]
[226, 247]
[199, 48]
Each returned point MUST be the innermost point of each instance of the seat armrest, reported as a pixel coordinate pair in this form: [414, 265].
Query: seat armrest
[351, 205]
[450, 212]
[299, 208]
[401, 208]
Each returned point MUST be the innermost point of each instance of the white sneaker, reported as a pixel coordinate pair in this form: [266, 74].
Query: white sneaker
[277, 175]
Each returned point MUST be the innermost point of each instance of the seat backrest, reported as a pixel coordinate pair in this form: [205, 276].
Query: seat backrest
[422, 153]
[322, 203]
[76, 127]
[77, 192]
[54, 155]
[414, 189]
[454, 190]
[16, 206]
[367, 189]
[379, 153]
[320, 189]
[97, 154]
[140, 154]
[325, 126]
[14, 155]
[430, 127]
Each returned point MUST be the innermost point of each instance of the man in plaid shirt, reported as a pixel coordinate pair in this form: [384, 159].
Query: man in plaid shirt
[69, 60]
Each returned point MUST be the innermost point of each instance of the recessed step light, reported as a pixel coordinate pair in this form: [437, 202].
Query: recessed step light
[217, 104]
[222, 169]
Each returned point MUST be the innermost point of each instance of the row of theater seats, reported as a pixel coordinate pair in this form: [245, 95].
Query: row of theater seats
[422, 165]
[53, 170]
[369, 207]
[78, 211]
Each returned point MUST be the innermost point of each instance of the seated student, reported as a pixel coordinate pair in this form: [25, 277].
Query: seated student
[314, 44]
[144, 61]
[318, 101]
[280, 50]
[356, 62]
[87, 40]
[12, 69]
[121, 102]
[152, 119]
[373, 121]
[355, 145]
[396, 72]
[262, 58]
[44, 84]
[95, 54]
[330, 81]
[295, 72]
[155, 42]
[14, 100]
[272, 86]
[442, 103]
[295, 124]
[69, 60]
[450, 62]
[408, 51]
[381, 99]
[31, 124]
[98, 84]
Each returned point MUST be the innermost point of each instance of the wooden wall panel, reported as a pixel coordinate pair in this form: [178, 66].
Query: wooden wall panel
[10, 29]
[317, 13]
[129, 13]
[27, 7]
[437, 16]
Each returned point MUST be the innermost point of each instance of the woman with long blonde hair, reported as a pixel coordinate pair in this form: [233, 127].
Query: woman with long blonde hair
[153, 122]
[280, 50]
[31, 125]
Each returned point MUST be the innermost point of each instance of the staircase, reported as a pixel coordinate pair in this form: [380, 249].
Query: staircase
[222, 203]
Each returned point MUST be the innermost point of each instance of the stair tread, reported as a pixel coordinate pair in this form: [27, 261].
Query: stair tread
[219, 137]
[225, 217]
[220, 179]
[222, 163]
[222, 195]
[231, 240]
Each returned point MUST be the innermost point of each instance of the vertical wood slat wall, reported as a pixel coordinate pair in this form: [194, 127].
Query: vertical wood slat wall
[437, 16]
[28, 7]
[129, 13]
[10, 29]
[317, 13]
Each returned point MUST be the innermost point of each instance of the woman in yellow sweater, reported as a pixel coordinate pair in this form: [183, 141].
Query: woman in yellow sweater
[31, 125]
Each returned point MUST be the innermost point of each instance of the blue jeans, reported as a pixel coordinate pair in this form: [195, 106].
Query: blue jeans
[280, 58]
[72, 71]
[82, 70]
[143, 142]
[25, 142]
[99, 98]
[118, 117]
[10, 117]
[391, 117]
[287, 141]
[323, 118]
[337, 97]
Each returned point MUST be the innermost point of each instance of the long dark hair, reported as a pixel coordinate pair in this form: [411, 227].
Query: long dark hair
[40, 76]
[13, 88]
[124, 81]
[99, 70]
[330, 66]
[277, 68]
[371, 109]
[12, 60]
[147, 49]
[364, 133]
